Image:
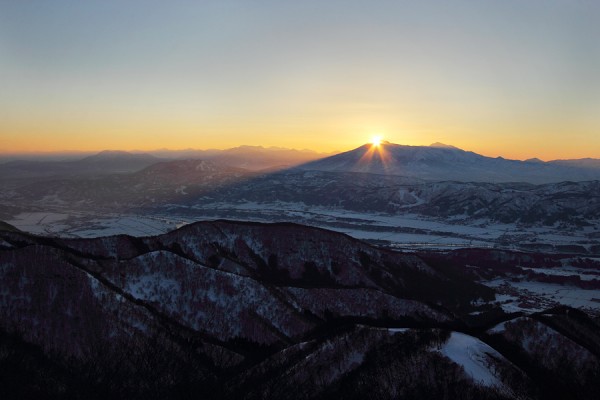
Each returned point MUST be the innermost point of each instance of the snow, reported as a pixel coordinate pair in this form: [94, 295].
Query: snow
[151, 287]
[364, 301]
[354, 359]
[123, 224]
[584, 275]
[39, 222]
[501, 327]
[541, 295]
[404, 231]
[398, 330]
[472, 354]
[90, 224]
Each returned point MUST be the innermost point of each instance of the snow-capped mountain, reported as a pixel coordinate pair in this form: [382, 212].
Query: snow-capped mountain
[440, 162]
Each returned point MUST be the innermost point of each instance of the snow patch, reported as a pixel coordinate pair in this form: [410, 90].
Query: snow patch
[473, 355]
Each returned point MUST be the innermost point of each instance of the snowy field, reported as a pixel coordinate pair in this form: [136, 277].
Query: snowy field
[406, 231]
[538, 296]
[87, 225]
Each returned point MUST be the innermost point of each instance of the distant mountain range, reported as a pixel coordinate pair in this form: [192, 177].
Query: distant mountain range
[252, 158]
[105, 162]
[230, 310]
[437, 162]
[440, 162]
[434, 181]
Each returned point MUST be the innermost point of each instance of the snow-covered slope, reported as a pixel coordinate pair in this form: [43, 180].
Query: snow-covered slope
[565, 202]
[476, 357]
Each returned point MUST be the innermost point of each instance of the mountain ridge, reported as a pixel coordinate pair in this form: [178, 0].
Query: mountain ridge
[105, 162]
[436, 162]
[230, 310]
[441, 162]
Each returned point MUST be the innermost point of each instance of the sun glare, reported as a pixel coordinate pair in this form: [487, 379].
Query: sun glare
[376, 140]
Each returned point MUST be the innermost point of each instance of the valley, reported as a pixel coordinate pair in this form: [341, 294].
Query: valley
[404, 231]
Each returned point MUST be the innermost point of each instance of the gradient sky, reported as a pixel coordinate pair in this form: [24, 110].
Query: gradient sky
[515, 78]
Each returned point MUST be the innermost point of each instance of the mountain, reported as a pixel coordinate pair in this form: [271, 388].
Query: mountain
[570, 203]
[163, 183]
[236, 310]
[117, 161]
[591, 163]
[189, 185]
[252, 158]
[186, 172]
[258, 157]
[440, 162]
[103, 163]
[437, 162]
[438, 145]
[7, 227]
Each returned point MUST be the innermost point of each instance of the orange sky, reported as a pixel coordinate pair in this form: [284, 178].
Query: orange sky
[323, 137]
[511, 78]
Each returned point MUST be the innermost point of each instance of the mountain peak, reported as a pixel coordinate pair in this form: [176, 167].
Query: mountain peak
[443, 146]
[107, 155]
[113, 153]
[534, 160]
[442, 162]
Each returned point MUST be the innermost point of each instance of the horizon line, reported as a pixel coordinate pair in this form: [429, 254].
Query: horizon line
[58, 153]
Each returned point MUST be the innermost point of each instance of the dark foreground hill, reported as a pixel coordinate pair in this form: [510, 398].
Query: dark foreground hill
[241, 310]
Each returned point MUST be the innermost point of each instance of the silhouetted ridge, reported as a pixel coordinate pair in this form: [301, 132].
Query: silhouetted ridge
[441, 162]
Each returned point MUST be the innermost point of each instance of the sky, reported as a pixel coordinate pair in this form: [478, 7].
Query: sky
[515, 78]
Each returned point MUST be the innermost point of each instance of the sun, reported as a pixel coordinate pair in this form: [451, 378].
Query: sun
[376, 140]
